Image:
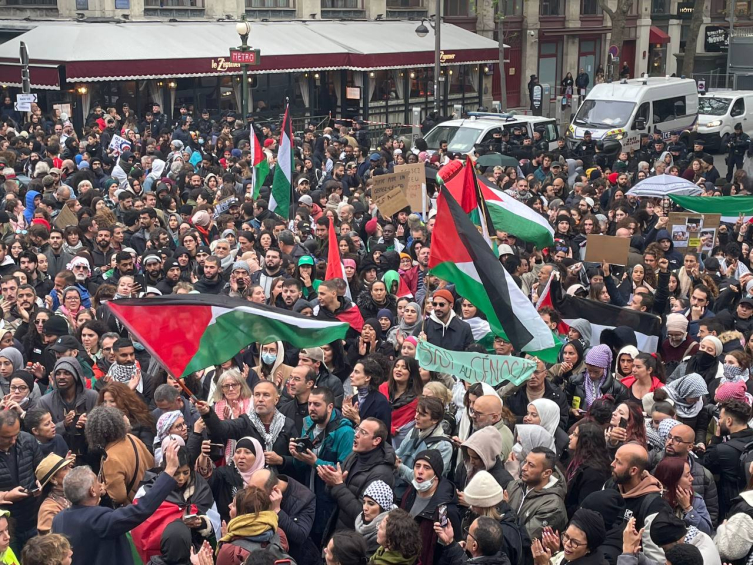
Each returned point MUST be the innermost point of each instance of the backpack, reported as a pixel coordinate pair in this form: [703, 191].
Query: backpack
[745, 459]
[274, 546]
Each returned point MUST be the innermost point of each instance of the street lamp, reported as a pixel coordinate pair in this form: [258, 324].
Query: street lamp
[243, 28]
[423, 31]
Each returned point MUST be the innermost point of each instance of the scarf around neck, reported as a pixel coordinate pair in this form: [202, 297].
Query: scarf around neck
[278, 422]
[249, 525]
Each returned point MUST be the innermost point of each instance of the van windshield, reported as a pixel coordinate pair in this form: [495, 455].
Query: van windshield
[604, 113]
[713, 106]
[459, 139]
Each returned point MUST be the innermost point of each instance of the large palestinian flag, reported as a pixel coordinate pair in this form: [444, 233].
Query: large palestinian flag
[730, 207]
[505, 213]
[281, 196]
[189, 332]
[462, 256]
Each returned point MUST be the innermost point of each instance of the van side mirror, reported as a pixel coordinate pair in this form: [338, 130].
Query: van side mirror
[640, 123]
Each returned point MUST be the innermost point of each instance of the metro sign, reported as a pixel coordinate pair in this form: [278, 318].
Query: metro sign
[250, 57]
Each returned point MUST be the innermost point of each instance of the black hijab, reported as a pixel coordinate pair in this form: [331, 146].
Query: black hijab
[175, 544]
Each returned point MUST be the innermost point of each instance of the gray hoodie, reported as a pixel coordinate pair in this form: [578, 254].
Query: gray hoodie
[86, 399]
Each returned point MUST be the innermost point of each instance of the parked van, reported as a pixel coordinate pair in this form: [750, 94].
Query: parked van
[479, 128]
[623, 110]
[719, 111]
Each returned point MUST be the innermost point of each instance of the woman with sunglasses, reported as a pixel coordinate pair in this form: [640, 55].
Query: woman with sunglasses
[33, 339]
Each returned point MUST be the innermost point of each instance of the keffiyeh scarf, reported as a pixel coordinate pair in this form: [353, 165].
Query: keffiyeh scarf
[278, 422]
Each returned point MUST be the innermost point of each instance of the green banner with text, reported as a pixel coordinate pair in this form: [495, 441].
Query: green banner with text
[475, 367]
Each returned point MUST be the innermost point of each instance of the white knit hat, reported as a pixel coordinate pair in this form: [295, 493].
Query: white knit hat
[483, 491]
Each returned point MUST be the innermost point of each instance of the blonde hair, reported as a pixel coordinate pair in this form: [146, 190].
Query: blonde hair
[440, 391]
[235, 375]
[51, 549]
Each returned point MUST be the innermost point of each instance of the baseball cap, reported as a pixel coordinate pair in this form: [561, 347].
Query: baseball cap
[64, 343]
[748, 301]
[313, 353]
[306, 199]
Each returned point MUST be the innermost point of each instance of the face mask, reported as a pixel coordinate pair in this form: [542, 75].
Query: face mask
[137, 346]
[517, 449]
[422, 486]
[268, 358]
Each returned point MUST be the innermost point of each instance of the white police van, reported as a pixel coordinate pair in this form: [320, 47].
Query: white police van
[719, 111]
[621, 111]
[479, 128]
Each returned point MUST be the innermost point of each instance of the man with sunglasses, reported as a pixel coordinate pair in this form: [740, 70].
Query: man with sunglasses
[443, 328]
[679, 443]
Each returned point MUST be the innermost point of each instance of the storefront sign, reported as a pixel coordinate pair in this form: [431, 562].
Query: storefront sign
[444, 57]
[716, 39]
[245, 57]
[685, 10]
[221, 64]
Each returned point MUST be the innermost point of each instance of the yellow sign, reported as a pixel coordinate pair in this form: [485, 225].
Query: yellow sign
[221, 64]
[444, 57]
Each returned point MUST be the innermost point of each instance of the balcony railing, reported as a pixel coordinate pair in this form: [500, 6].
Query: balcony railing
[29, 3]
[270, 4]
[174, 3]
[342, 5]
[405, 4]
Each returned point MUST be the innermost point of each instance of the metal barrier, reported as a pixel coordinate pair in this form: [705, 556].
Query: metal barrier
[716, 79]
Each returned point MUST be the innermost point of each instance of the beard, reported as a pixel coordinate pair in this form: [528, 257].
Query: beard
[102, 244]
[622, 478]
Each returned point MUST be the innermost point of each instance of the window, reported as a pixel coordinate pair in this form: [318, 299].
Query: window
[341, 4]
[550, 131]
[552, 8]
[269, 4]
[405, 3]
[669, 109]
[659, 6]
[458, 8]
[643, 112]
[738, 108]
[590, 8]
[513, 8]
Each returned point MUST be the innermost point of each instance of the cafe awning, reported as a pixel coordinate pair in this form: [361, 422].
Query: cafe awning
[657, 36]
[73, 52]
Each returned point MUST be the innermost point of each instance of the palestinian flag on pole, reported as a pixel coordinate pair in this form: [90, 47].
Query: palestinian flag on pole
[189, 332]
[462, 255]
[730, 207]
[335, 267]
[281, 199]
[259, 162]
[505, 213]
[545, 301]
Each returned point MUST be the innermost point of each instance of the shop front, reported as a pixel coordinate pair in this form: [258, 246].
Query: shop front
[322, 68]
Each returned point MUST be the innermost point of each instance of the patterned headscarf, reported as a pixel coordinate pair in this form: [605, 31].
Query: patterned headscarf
[381, 493]
[689, 386]
[164, 424]
[730, 391]
[599, 356]
[665, 426]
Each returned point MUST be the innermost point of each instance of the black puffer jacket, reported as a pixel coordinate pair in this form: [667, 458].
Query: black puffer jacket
[296, 518]
[576, 387]
[723, 459]
[363, 469]
[370, 309]
[28, 456]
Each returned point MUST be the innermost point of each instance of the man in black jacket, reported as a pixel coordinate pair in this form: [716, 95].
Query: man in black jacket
[212, 281]
[723, 458]
[19, 457]
[295, 505]
[518, 402]
[372, 459]
[485, 537]
[266, 424]
[443, 328]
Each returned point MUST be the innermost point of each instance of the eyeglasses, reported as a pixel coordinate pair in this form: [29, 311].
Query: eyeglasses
[39, 322]
[468, 534]
[675, 439]
[439, 304]
[574, 543]
[362, 432]
[181, 426]
[19, 388]
[230, 385]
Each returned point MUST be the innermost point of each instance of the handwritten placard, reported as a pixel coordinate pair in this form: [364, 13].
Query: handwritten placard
[388, 193]
[415, 190]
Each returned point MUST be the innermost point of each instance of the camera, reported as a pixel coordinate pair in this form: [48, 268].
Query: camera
[302, 444]
[532, 33]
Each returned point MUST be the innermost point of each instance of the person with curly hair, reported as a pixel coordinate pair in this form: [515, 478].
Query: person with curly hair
[52, 549]
[346, 548]
[125, 458]
[120, 396]
[399, 540]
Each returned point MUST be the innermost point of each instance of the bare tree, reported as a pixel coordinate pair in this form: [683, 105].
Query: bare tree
[691, 44]
[618, 16]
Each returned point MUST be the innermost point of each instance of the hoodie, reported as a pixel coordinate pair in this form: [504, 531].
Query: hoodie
[644, 502]
[488, 443]
[29, 211]
[456, 335]
[85, 399]
[583, 327]
[674, 257]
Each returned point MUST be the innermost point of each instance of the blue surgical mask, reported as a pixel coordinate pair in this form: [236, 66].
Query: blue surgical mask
[268, 358]
[137, 346]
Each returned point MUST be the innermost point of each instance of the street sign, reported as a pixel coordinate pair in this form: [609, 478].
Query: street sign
[251, 57]
[614, 51]
[701, 85]
[24, 102]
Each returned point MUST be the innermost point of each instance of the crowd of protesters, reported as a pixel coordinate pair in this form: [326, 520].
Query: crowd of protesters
[351, 453]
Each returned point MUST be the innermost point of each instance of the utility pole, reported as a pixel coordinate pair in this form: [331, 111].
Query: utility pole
[502, 75]
[731, 15]
[25, 79]
[437, 51]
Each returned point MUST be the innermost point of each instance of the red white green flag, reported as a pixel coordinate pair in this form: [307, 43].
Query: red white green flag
[190, 332]
[335, 267]
[259, 162]
[281, 198]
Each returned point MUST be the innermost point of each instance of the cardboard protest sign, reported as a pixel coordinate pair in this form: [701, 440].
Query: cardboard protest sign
[388, 193]
[224, 205]
[65, 218]
[415, 190]
[118, 145]
[475, 367]
[687, 228]
[607, 248]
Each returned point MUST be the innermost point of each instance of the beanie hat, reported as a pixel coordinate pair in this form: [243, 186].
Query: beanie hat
[613, 178]
[592, 524]
[25, 376]
[483, 491]
[242, 265]
[371, 226]
[349, 263]
[446, 294]
[718, 346]
[201, 218]
[381, 493]
[56, 325]
[677, 322]
[599, 356]
[667, 528]
[434, 458]
[411, 339]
